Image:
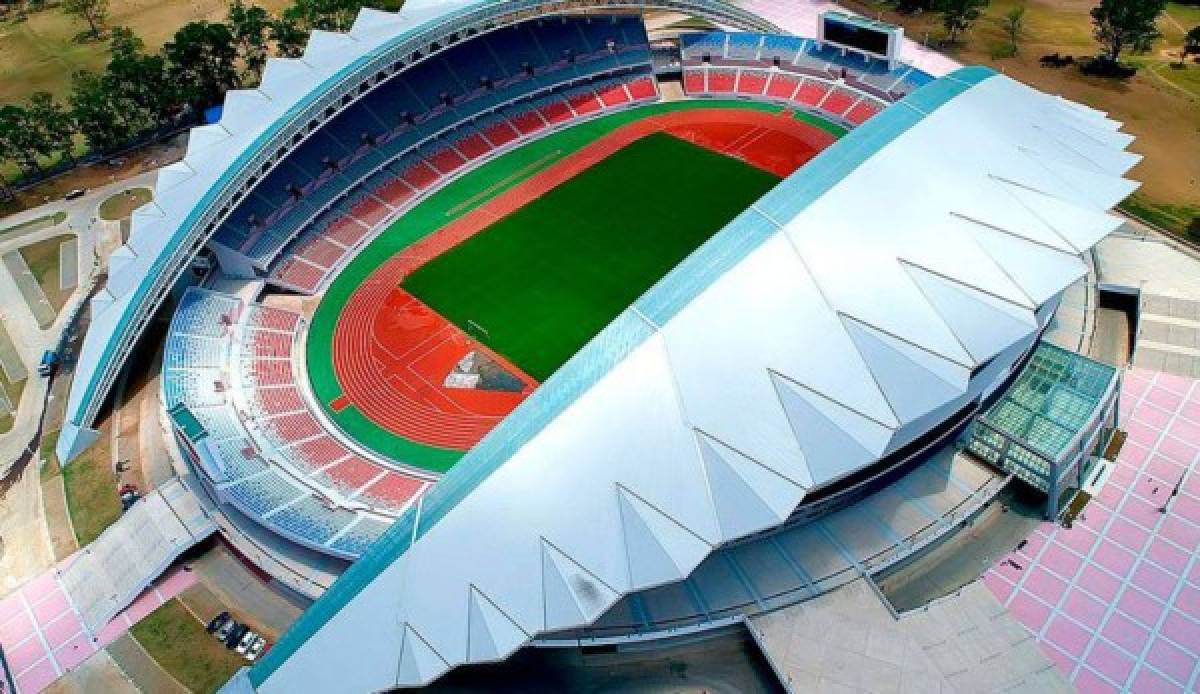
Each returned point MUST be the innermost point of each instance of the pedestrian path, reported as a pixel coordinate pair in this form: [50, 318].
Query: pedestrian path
[44, 637]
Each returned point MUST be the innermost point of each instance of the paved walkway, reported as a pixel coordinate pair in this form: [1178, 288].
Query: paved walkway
[1169, 335]
[1115, 600]
[25, 548]
[849, 641]
[226, 583]
[19, 320]
[43, 634]
[100, 673]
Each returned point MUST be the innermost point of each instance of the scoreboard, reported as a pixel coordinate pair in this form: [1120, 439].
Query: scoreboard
[861, 35]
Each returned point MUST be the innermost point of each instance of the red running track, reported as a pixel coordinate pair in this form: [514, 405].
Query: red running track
[391, 352]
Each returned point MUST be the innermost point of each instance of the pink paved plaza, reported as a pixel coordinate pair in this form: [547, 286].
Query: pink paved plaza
[1115, 599]
[44, 637]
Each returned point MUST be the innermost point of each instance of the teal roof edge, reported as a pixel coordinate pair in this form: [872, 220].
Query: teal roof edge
[619, 338]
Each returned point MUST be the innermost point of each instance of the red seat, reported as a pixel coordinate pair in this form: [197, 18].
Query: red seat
[862, 111]
[751, 82]
[811, 93]
[838, 102]
[721, 80]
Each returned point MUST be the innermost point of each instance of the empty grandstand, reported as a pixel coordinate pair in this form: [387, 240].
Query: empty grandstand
[799, 72]
[230, 386]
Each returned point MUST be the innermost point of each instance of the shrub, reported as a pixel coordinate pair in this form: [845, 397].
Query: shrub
[1193, 230]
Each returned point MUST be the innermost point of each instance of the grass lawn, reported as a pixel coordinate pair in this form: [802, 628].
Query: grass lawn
[1160, 105]
[34, 224]
[124, 203]
[42, 259]
[13, 392]
[177, 641]
[470, 190]
[1173, 217]
[91, 488]
[544, 280]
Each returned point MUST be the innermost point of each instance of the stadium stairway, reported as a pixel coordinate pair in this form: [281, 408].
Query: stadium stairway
[130, 554]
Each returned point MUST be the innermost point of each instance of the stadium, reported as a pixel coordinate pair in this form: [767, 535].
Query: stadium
[493, 323]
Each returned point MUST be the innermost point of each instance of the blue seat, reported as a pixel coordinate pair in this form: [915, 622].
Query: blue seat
[783, 48]
[696, 46]
[743, 46]
[513, 46]
[263, 494]
[310, 520]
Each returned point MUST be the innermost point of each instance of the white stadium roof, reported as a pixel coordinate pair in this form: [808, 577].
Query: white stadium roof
[833, 322]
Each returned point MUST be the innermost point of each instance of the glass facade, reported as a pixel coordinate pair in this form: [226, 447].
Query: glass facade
[1051, 422]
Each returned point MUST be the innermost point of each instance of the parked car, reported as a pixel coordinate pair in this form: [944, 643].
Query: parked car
[75, 194]
[256, 649]
[217, 622]
[222, 633]
[235, 636]
[246, 642]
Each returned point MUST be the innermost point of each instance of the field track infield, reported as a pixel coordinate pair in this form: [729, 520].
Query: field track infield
[391, 352]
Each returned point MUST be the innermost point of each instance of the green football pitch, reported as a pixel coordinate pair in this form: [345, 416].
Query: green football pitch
[632, 234]
[538, 284]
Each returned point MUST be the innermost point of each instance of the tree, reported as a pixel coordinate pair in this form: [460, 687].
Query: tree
[21, 140]
[97, 112]
[1122, 24]
[959, 15]
[55, 125]
[1014, 24]
[15, 142]
[289, 38]
[251, 27]
[913, 6]
[1191, 44]
[201, 61]
[137, 83]
[328, 15]
[94, 12]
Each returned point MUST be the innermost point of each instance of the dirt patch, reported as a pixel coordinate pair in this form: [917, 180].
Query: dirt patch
[26, 552]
